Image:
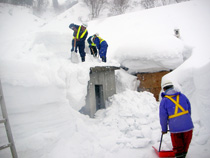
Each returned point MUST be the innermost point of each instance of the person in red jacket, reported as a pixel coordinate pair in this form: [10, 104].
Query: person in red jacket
[175, 112]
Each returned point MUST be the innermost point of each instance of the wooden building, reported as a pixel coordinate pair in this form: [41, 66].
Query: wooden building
[151, 82]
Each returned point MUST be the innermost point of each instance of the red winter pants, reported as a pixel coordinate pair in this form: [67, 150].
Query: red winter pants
[181, 142]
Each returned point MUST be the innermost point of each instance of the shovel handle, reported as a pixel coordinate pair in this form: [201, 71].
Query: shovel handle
[161, 141]
[75, 42]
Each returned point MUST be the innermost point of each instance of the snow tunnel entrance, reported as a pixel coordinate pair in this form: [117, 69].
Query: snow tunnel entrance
[99, 97]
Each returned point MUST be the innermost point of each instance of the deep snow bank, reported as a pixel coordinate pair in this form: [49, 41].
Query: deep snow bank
[144, 41]
[43, 88]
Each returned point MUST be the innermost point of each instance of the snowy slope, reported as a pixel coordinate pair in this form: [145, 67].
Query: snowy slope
[44, 90]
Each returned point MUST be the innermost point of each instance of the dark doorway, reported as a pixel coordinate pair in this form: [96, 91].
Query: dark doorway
[99, 97]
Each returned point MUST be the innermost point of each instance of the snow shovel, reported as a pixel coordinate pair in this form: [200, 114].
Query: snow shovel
[164, 153]
[74, 55]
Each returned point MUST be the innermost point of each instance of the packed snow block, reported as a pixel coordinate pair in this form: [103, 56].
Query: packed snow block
[100, 87]
[151, 82]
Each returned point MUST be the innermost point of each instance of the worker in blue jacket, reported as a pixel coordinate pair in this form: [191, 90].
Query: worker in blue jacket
[175, 112]
[101, 45]
[80, 35]
[74, 28]
[92, 46]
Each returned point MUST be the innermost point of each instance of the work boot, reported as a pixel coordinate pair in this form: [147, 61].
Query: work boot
[83, 59]
[95, 54]
[180, 155]
[104, 59]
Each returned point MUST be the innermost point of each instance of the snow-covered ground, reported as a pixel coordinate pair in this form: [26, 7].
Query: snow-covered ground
[44, 90]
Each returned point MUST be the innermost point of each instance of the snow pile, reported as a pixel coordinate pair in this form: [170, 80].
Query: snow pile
[20, 21]
[44, 90]
[109, 133]
[132, 116]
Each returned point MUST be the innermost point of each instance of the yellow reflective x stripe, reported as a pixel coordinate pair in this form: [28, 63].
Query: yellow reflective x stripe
[82, 35]
[179, 114]
[177, 106]
[176, 114]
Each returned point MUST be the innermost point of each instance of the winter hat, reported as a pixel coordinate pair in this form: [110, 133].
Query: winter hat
[165, 83]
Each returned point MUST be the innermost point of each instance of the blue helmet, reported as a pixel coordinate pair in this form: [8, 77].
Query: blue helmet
[71, 26]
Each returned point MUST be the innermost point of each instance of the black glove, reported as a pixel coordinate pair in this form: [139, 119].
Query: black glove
[164, 132]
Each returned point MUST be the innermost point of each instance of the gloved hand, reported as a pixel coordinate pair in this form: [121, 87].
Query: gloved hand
[164, 132]
[72, 49]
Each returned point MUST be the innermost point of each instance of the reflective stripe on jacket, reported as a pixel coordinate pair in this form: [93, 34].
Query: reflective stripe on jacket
[82, 35]
[99, 41]
[90, 41]
[178, 106]
[169, 113]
